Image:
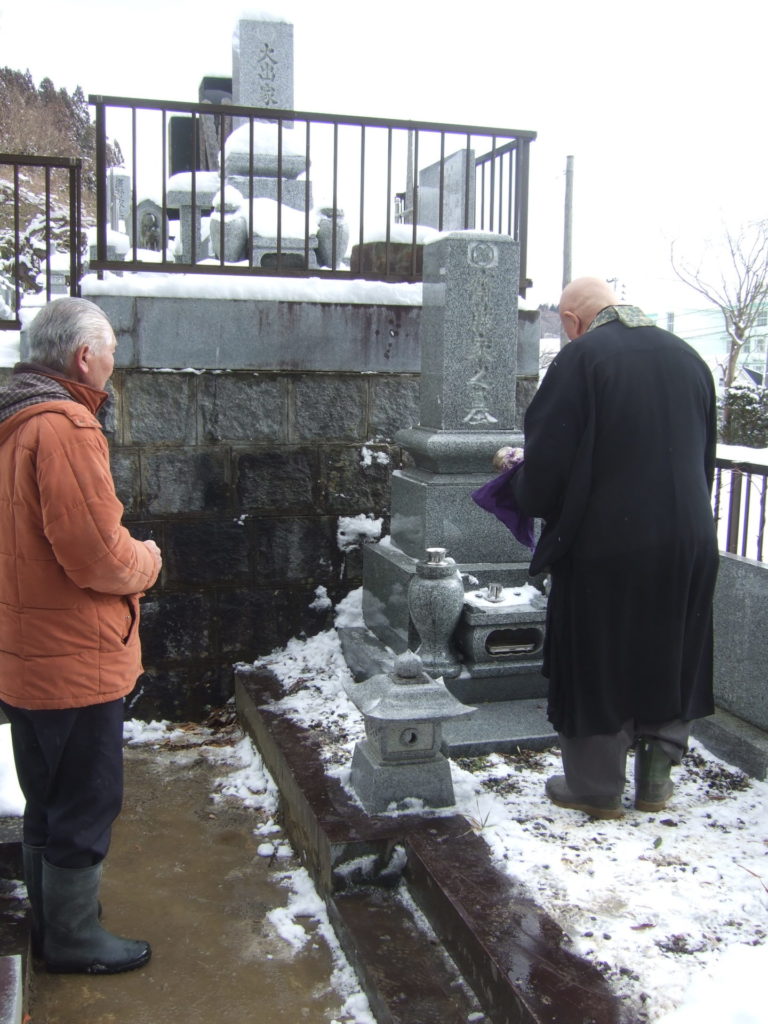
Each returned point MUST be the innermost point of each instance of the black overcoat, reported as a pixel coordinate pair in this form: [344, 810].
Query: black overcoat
[619, 461]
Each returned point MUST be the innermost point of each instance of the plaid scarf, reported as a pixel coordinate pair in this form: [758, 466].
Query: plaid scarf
[27, 388]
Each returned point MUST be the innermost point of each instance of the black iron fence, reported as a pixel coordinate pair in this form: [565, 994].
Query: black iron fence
[225, 189]
[739, 501]
[40, 218]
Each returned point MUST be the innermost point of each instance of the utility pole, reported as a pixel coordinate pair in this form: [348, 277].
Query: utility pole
[408, 218]
[567, 234]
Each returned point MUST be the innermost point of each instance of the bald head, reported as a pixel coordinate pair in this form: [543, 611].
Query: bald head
[581, 301]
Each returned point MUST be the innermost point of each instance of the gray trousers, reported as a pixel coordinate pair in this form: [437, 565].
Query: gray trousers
[597, 765]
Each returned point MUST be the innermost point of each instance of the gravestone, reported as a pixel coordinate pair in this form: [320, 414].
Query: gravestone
[458, 179]
[262, 76]
[262, 64]
[469, 354]
[217, 91]
[118, 197]
[181, 151]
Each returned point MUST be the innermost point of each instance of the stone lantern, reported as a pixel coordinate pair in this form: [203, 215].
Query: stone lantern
[400, 758]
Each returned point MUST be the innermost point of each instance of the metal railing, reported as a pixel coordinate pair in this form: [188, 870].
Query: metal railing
[739, 502]
[454, 176]
[29, 232]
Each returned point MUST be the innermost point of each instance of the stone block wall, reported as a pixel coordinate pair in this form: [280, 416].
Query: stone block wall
[237, 444]
[741, 642]
[241, 478]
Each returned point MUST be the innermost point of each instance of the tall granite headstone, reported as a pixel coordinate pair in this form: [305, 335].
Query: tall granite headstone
[262, 63]
[469, 354]
[457, 175]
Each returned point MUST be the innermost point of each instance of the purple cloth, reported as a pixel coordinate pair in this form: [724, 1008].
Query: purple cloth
[497, 498]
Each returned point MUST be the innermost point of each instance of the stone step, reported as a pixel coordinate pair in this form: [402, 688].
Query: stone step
[512, 954]
[403, 973]
[15, 953]
[12, 989]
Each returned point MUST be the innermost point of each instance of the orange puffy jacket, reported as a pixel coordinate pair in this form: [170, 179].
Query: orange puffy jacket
[70, 574]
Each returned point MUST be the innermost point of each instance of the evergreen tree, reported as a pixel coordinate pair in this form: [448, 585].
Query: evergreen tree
[43, 121]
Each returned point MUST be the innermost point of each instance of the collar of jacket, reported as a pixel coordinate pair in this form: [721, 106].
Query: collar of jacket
[630, 316]
[91, 398]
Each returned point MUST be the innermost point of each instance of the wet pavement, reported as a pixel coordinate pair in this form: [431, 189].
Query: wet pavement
[184, 874]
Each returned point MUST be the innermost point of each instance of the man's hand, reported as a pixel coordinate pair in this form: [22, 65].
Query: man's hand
[506, 458]
[154, 550]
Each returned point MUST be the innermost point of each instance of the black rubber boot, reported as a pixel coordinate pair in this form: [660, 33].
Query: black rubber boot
[653, 786]
[74, 942]
[32, 859]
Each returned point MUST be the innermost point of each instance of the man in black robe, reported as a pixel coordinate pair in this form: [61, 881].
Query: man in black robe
[619, 461]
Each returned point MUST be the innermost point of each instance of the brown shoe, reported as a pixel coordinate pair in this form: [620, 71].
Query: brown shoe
[557, 790]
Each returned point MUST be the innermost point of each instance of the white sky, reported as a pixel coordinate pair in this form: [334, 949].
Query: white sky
[656, 101]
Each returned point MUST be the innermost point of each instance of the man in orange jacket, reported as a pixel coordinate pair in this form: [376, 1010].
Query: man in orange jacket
[70, 580]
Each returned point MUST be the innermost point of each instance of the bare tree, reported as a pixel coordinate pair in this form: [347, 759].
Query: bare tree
[737, 284]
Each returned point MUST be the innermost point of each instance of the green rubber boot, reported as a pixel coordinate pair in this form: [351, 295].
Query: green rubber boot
[73, 941]
[653, 786]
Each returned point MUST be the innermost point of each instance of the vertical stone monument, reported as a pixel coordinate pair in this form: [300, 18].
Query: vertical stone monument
[457, 172]
[469, 353]
[262, 63]
[118, 198]
[262, 76]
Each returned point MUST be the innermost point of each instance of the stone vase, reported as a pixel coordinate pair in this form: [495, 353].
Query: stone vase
[325, 237]
[435, 600]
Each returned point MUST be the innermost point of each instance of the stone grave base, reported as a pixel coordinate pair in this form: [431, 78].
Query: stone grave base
[378, 784]
[495, 725]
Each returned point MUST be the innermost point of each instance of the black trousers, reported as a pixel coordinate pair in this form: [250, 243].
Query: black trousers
[70, 768]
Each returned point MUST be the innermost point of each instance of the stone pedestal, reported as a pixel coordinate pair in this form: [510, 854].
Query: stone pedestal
[293, 193]
[179, 197]
[292, 250]
[379, 785]
[331, 250]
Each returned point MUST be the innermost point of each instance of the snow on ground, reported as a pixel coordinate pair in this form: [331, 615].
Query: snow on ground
[673, 907]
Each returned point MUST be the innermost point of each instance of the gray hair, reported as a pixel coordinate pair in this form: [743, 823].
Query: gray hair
[61, 327]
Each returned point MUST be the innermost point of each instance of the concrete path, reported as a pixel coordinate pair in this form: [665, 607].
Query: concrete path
[184, 874]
